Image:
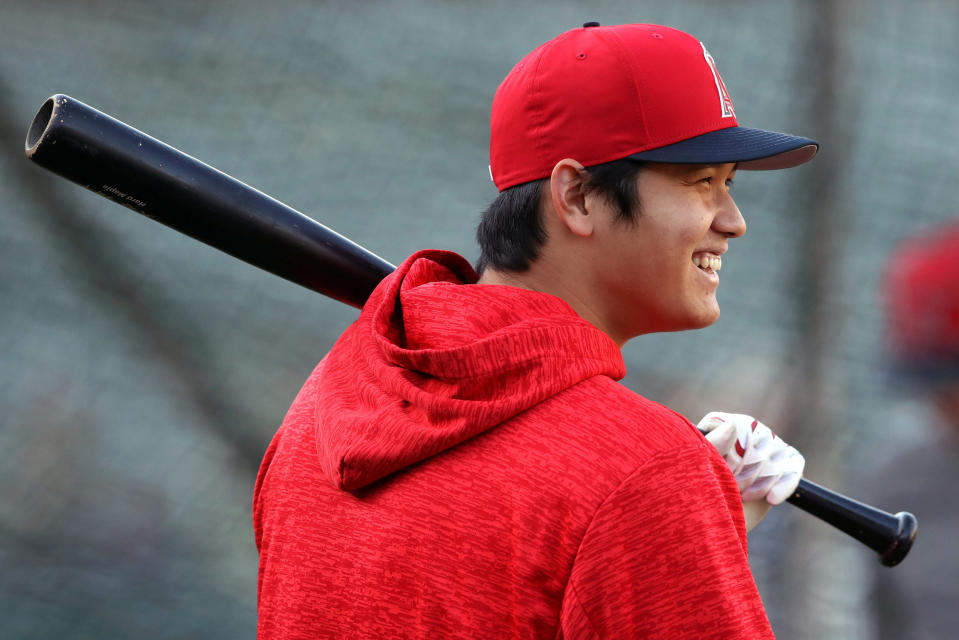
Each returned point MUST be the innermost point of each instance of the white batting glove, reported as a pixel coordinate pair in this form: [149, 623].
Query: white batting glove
[766, 469]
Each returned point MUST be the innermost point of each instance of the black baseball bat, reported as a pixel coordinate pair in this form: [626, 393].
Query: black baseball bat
[129, 167]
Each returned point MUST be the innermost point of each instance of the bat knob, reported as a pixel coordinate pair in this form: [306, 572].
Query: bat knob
[900, 546]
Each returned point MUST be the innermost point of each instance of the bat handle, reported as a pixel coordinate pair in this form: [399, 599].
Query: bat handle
[891, 536]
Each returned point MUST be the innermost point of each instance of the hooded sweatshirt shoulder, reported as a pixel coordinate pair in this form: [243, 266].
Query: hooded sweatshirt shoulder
[464, 463]
[434, 360]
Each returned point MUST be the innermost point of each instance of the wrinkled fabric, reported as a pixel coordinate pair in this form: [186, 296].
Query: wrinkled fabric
[463, 464]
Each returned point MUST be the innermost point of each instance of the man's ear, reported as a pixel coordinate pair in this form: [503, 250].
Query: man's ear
[566, 188]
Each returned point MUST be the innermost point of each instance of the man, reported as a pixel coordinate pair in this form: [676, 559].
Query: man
[463, 462]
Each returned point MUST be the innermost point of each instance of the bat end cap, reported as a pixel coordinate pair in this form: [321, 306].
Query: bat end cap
[905, 536]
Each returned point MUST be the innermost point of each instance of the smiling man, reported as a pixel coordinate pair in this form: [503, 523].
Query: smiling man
[464, 463]
[646, 267]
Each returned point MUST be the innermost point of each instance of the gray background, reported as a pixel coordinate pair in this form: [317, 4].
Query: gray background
[143, 374]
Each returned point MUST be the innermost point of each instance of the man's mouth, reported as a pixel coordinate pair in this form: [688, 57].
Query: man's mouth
[707, 262]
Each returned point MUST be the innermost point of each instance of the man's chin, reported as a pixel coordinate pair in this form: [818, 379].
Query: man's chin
[703, 320]
[689, 324]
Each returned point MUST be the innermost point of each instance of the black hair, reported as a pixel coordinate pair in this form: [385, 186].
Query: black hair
[511, 233]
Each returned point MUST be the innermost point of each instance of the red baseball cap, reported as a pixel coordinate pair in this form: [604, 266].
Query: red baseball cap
[921, 295]
[640, 91]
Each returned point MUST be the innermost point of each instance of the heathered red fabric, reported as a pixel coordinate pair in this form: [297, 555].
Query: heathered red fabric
[463, 464]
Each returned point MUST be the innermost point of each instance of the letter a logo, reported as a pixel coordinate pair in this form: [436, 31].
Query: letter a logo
[726, 103]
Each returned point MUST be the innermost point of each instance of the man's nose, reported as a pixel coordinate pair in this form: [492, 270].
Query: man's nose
[729, 220]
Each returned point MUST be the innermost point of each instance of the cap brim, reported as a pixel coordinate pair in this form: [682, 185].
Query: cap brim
[752, 149]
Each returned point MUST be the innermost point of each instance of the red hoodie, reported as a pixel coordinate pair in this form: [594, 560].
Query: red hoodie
[463, 464]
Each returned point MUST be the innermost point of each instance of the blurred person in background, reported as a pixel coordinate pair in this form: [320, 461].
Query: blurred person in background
[919, 599]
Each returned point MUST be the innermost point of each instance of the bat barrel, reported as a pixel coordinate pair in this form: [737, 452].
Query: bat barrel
[129, 167]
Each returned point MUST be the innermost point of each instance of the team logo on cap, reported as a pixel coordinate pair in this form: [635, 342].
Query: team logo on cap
[724, 100]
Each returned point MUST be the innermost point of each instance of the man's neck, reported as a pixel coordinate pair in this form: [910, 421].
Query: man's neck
[538, 278]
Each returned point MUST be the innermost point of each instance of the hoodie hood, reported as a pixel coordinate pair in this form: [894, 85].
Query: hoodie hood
[435, 359]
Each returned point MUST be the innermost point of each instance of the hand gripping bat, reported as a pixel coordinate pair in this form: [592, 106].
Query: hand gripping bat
[129, 167]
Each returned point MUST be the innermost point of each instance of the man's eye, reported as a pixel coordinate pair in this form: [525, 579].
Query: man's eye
[729, 183]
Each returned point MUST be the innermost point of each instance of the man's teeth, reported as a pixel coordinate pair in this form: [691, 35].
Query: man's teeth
[708, 262]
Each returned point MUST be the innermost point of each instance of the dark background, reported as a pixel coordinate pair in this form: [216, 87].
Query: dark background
[143, 374]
